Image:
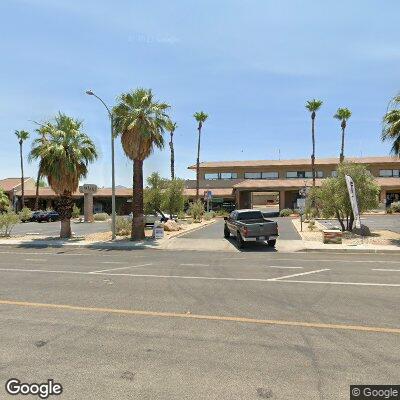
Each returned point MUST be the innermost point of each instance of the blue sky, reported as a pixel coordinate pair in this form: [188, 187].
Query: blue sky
[251, 65]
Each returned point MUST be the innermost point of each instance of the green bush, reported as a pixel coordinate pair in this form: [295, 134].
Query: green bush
[311, 225]
[221, 213]
[76, 211]
[286, 212]
[196, 210]
[7, 221]
[123, 226]
[209, 215]
[389, 210]
[101, 217]
[395, 207]
[25, 214]
[181, 215]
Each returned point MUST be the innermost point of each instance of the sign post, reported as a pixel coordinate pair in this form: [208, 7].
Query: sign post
[88, 190]
[353, 200]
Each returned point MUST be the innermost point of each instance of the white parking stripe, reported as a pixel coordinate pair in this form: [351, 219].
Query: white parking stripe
[300, 274]
[341, 283]
[386, 270]
[195, 265]
[116, 269]
[35, 259]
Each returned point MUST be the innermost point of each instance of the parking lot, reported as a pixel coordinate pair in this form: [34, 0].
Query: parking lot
[374, 222]
[154, 324]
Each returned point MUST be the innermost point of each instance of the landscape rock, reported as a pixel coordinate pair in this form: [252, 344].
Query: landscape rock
[171, 226]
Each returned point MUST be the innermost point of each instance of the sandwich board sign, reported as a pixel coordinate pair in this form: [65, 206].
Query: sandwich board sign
[353, 200]
[158, 231]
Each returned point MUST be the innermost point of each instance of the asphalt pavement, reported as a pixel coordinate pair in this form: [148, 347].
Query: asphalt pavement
[148, 324]
[216, 231]
[374, 222]
[53, 228]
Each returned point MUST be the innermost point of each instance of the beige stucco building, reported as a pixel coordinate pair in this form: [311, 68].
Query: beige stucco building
[239, 182]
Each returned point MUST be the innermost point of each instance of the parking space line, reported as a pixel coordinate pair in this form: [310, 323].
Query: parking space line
[116, 269]
[300, 274]
[113, 262]
[35, 259]
[195, 265]
[220, 318]
[340, 283]
[386, 270]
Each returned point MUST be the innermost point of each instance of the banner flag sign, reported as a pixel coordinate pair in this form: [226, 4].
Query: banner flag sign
[353, 200]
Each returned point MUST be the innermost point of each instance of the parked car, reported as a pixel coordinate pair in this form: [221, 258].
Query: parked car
[35, 215]
[250, 226]
[48, 216]
[151, 219]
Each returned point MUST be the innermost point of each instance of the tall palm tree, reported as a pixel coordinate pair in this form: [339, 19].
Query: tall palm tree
[391, 125]
[313, 106]
[22, 136]
[141, 122]
[171, 126]
[342, 114]
[64, 157]
[200, 118]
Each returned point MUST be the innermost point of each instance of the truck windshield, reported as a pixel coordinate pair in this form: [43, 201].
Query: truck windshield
[249, 215]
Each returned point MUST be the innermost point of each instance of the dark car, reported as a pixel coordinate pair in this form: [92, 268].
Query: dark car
[48, 216]
[35, 215]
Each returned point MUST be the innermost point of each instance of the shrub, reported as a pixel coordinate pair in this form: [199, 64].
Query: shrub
[7, 221]
[101, 217]
[395, 207]
[123, 226]
[389, 210]
[181, 215]
[196, 210]
[4, 202]
[76, 211]
[209, 215]
[311, 225]
[25, 214]
[286, 212]
[221, 213]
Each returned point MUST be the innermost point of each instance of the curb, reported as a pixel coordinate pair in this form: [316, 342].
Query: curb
[352, 251]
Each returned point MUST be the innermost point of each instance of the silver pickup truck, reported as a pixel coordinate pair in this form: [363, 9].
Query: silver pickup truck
[250, 226]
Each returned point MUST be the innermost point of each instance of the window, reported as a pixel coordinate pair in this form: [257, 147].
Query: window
[252, 175]
[303, 174]
[389, 173]
[334, 174]
[211, 177]
[269, 175]
[228, 175]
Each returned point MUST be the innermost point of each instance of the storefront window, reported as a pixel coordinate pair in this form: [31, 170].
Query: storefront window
[252, 175]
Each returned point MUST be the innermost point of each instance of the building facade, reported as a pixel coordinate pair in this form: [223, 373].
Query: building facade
[245, 184]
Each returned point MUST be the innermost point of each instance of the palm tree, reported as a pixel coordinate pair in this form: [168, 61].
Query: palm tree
[141, 122]
[313, 106]
[391, 125]
[64, 157]
[22, 136]
[171, 126]
[342, 114]
[200, 118]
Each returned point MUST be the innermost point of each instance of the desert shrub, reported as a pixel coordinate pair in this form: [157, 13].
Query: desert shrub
[395, 207]
[311, 225]
[181, 215]
[4, 202]
[76, 211]
[221, 213]
[389, 210]
[123, 226]
[7, 221]
[209, 215]
[101, 217]
[196, 210]
[25, 214]
[286, 212]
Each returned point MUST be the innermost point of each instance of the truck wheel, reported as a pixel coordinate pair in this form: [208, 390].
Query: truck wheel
[239, 241]
[227, 233]
[271, 243]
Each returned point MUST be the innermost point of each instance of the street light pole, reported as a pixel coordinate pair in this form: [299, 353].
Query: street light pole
[91, 93]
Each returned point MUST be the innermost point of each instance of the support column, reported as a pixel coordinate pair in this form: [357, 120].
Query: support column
[382, 197]
[88, 207]
[281, 200]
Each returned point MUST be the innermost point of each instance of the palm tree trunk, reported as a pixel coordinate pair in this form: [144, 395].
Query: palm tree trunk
[198, 163]
[64, 208]
[171, 145]
[137, 206]
[342, 147]
[37, 190]
[22, 176]
[313, 150]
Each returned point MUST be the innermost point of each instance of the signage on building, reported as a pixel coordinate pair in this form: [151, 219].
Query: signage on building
[208, 195]
[88, 188]
[353, 200]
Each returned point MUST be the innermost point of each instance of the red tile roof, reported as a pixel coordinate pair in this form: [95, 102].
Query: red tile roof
[101, 192]
[9, 184]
